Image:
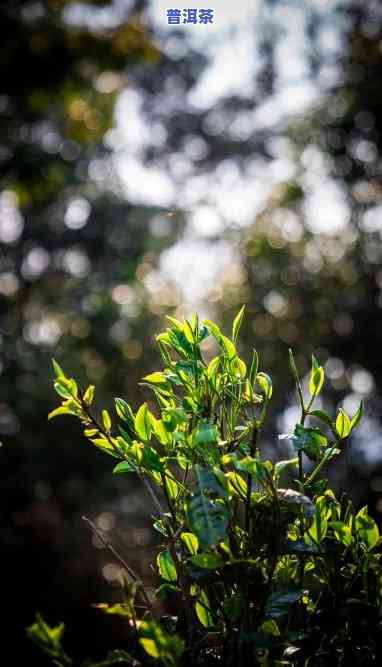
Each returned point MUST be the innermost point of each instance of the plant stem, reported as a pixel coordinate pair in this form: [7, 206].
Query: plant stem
[169, 503]
[120, 559]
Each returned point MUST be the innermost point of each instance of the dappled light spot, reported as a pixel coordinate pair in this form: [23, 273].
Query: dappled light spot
[35, 263]
[132, 349]
[106, 521]
[361, 381]
[11, 220]
[77, 213]
[9, 284]
[112, 573]
[46, 331]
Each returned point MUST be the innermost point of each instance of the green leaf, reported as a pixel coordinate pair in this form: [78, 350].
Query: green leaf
[214, 329]
[254, 368]
[237, 484]
[158, 379]
[160, 431]
[207, 517]
[203, 610]
[318, 529]
[317, 376]
[238, 367]
[323, 416]
[265, 384]
[152, 461]
[310, 441]
[106, 421]
[342, 532]
[357, 417]
[124, 411]
[66, 388]
[62, 410]
[237, 324]
[205, 433]
[123, 468]
[343, 424]
[116, 609]
[89, 394]
[48, 638]
[213, 368]
[172, 486]
[158, 644]
[279, 603]
[253, 466]
[166, 567]
[366, 528]
[280, 466]
[207, 561]
[191, 542]
[105, 445]
[59, 373]
[228, 347]
[143, 423]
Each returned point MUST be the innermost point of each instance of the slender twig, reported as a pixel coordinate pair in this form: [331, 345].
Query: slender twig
[151, 491]
[108, 545]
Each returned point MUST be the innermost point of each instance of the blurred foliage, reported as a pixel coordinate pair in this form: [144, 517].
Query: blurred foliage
[76, 258]
[72, 260]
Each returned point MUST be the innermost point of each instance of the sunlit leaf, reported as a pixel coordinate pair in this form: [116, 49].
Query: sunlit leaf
[343, 424]
[166, 567]
[309, 440]
[207, 561]
[89, 394]
[203, 610]
[237, 324]
[317, 376]
[143, 422]
[191, 542]
[265, 384]
[357, 417]
[207, 518]
[366, 528]
[158, 644]
[106, 421]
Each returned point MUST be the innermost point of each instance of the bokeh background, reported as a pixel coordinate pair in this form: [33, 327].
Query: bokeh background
[146, 170]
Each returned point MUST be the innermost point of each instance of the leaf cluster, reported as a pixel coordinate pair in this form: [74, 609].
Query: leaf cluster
[257, 570]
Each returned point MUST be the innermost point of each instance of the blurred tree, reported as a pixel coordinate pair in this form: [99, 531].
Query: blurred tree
[72, 260]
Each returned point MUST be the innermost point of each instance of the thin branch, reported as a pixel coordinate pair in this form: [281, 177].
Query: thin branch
[108, 545]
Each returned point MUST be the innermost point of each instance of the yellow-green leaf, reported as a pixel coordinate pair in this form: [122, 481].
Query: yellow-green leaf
[89, 394]
[62, 410]
[166, 567]
[156, 378]
[143, 422]
[367, 528]
[237, 324]
[106, 421]
[191, 542]
[203, 610]
[343, 425]
[265, 384]
[317, 376]
[57, 369]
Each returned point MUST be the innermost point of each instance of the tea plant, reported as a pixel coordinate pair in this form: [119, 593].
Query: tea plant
[260, 573]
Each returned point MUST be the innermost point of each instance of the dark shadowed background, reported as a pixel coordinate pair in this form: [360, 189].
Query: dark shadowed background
[149, 169]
